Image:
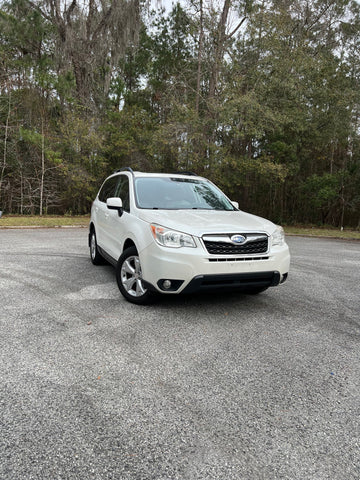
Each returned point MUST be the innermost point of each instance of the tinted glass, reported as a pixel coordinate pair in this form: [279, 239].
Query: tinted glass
[122, 192]
[179, 193]
[108, 189]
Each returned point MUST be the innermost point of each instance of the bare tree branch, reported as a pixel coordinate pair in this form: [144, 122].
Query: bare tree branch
[231, 34]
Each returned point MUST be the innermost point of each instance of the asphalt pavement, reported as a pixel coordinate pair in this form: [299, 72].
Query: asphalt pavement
[225, 387]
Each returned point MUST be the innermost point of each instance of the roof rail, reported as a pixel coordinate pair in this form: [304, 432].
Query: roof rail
[125, 169]
[186, 173]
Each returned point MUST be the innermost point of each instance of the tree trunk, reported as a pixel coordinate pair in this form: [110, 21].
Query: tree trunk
[42, 166]
[201, 37]
[220, 39]
[5, 146]
[21, 193]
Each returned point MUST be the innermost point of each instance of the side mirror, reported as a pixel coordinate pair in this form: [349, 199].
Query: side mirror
[236, 205]
[115, 203]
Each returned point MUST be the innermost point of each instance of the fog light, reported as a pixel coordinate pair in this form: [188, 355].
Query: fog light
[166, 284]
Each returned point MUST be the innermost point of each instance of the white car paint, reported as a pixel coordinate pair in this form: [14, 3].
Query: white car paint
[115, 231]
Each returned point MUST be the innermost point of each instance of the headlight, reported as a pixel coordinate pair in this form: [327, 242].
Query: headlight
[171, 238]
[278, 237]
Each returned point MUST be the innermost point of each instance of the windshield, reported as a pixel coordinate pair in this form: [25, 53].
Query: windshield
[179, 193]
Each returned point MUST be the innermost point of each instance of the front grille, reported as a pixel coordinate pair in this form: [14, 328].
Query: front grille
[251, 247]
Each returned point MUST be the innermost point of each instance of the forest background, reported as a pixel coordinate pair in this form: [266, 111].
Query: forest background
[260, 96]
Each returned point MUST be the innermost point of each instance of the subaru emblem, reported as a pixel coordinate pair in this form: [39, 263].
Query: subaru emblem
[239, 239]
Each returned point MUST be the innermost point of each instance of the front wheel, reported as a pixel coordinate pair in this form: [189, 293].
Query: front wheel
[129, 278]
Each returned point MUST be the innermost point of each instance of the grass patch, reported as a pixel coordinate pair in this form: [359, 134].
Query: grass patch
[83, 221]
[324, 232]
[44, 221]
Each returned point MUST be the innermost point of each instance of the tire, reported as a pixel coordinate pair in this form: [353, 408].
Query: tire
[95, 255]
[255, 290]
[128, 277]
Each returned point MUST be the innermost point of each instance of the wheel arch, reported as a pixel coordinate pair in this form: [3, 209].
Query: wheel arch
[129, 243]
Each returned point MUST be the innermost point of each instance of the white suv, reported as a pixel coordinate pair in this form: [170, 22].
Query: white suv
[178, 233]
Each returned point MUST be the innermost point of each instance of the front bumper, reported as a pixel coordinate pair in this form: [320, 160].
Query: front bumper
[193, 269]
[235, 281]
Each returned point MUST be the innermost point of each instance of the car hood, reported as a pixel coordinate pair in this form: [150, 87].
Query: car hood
[200, 222]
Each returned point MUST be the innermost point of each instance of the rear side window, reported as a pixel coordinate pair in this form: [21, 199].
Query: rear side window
[108, 189]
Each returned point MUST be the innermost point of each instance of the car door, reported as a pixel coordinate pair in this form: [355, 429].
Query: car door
[117, 225]
[102, 213]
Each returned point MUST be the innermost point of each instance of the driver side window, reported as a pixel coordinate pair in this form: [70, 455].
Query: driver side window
[108, 189]
[122, 191]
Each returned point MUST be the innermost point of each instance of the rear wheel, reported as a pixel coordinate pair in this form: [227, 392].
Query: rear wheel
[95, 255]
[129, 278]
